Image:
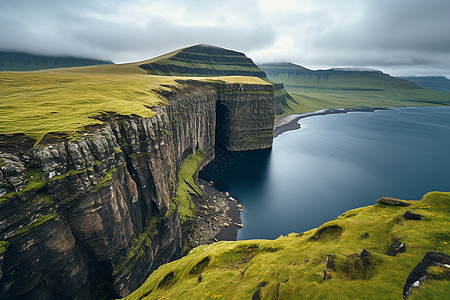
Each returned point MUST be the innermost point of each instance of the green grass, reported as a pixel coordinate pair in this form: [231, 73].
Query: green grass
[190, 165]
[3, 245]
[293, 265]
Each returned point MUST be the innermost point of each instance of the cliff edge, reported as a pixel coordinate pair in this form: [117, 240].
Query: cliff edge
[90, 210]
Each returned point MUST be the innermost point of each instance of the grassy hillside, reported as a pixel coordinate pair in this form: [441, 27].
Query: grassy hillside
[18, 61]
[435, 83]
[66, 100]
[341, 88]
[203, 60]
[292, 266]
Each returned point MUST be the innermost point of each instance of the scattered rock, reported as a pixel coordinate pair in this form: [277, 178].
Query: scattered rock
[412, 216]
[226, 224]
[330, 262]
[358, 265]
[393, 201]
[396, 247]
[239, 205]
[306, 260]
[227, 194]
[365, 257]
[257, 294]
[365, 235]
[423, 272]
[216, 209]
[239, 225]
[326, 275]
[232, 199]
[204, 206]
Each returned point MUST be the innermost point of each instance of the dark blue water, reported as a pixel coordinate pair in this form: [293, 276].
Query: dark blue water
[335, 163]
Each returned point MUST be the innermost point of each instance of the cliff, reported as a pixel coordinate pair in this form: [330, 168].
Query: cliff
[90, 214]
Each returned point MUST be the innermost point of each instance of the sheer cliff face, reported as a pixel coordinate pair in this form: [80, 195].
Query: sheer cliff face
[245, 116]
[93, 217]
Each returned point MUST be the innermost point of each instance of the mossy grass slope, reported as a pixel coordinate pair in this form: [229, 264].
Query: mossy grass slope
[293, 265]
[337, 88]
[187, 185]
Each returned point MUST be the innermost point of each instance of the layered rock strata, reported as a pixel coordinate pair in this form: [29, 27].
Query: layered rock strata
[93, 217]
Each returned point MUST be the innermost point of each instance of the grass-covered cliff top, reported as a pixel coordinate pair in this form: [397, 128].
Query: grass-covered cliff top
[66, 100]
[343, 88]
[292, 266]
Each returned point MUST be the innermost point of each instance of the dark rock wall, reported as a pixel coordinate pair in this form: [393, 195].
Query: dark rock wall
[245, 114]
[93, 217]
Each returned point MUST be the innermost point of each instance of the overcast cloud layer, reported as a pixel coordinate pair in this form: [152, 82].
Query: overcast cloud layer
[400, 37]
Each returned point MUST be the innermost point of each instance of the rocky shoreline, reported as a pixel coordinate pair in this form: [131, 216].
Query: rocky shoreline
[289, 122]
[218, 217]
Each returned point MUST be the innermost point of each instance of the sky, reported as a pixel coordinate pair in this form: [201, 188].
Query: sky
[399, 37]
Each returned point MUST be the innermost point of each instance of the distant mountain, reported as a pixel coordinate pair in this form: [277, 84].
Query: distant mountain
[435, 83]
[206, 60]
[337, 78]
[17, 61]
[342, 88]
[203, 60]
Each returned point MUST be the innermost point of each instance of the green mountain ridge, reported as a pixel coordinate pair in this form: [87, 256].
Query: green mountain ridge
[343, 88]
[203, 60]
[20, 61]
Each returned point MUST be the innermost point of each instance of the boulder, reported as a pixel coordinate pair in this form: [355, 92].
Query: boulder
[330, 262]
[392, 201]
[226, 224]
[396, 247]
[412, 216]
[365, 235]
[422, 271]
[326, 275]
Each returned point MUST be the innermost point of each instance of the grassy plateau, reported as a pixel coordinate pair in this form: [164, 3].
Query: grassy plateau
[66, 100]
[291, 267]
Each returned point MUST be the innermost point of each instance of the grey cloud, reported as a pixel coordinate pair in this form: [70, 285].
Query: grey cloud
[395, 35]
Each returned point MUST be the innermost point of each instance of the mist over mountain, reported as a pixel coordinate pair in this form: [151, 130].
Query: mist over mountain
[21, 61]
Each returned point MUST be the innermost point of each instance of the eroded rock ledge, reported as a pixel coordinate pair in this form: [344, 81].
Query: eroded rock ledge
[93, 217]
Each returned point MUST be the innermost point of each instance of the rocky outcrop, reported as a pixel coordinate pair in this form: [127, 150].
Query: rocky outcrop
[392, 201]
[433, 266]
[93, 217]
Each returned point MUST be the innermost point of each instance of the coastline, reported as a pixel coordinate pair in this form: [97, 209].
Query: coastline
[289, 122]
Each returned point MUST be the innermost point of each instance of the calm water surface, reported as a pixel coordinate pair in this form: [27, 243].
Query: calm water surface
[339, 162]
